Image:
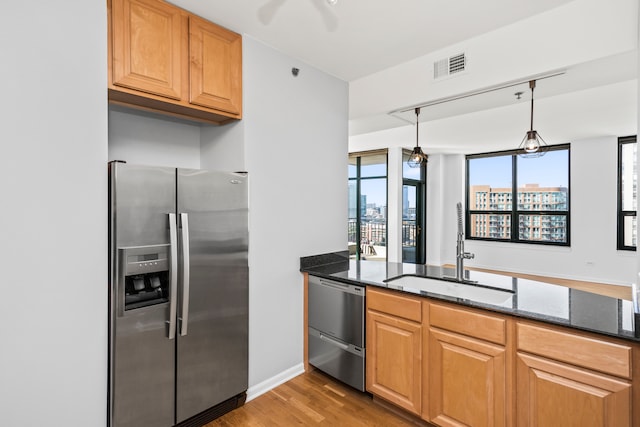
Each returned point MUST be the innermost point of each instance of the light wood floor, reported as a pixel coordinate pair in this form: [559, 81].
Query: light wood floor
[312, 399]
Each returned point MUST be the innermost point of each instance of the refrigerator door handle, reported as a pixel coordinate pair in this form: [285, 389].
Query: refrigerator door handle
[184, 312]
[173, 275]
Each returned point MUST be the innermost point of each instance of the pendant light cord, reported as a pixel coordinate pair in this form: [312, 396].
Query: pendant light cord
[417, 125]
[532, 85]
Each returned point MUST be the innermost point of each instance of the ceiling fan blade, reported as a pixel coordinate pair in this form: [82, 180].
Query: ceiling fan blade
[267, 11]
[329, 18]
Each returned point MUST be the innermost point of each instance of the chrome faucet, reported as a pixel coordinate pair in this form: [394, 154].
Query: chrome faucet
[461, 255]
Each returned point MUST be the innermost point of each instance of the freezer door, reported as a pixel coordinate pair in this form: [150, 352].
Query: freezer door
[212, 356]
[141, 357]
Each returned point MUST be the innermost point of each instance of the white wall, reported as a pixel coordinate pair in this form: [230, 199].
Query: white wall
[295, 131]
[445, 188]
[144, 138]
[592, 255]
[222, 147]
[53, 182]
[394, 205]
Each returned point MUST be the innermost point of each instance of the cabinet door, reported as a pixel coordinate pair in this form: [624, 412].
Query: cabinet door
[394, 358]
[554, 394]
[149, 46]
[215, 66]
[467, 381]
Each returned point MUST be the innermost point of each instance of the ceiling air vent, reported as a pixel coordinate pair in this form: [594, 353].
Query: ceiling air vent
[448, 66]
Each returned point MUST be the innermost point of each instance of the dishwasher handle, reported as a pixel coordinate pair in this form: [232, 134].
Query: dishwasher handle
[342, 287]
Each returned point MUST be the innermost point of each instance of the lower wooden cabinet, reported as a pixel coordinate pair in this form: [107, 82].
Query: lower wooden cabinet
[394, 360]
[394, 349]
[467, 381]
[460, 366]
[554, 394]
[573, 379]
[468, 376]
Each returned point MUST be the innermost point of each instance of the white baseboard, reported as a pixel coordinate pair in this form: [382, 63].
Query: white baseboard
[273, 382]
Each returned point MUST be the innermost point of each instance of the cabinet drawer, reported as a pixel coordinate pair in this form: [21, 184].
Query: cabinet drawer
[465, 322]
[590, 353]
[395, 304]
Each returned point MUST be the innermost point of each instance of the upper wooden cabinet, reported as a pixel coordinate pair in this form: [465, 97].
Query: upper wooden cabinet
[148, 47]
[215, 71]
[165, 59]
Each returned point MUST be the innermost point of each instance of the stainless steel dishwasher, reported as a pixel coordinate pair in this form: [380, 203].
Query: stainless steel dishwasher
[336, 330]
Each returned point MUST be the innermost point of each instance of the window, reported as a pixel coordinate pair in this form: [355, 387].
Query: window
[516, 199]
[627, 193]
[367, 206]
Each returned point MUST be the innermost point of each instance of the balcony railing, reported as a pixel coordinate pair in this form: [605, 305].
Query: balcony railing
[374, 233]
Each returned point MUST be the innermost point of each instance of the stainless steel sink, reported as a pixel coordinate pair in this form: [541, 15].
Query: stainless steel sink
[468, 291]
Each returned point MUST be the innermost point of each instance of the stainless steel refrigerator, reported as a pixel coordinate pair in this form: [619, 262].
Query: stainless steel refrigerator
[178, 295]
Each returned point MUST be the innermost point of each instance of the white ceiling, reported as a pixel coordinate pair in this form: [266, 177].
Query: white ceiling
[355, 38]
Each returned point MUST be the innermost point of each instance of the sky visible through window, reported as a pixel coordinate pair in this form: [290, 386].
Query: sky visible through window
[375, 193]
[549, 170]
[378, 195]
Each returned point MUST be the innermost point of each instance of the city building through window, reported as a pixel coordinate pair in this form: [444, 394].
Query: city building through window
[517, 199]
[627, 193]
[367, 206]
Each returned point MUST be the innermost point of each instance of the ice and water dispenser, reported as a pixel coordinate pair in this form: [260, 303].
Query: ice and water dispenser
[145, 275]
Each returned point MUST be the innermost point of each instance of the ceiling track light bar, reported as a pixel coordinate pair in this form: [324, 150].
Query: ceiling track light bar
[476, 92]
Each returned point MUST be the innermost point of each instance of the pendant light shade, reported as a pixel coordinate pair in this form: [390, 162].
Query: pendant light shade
[532, 144]
[417, 157]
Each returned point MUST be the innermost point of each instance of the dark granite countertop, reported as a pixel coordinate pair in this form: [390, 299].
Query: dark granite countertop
[522, 298]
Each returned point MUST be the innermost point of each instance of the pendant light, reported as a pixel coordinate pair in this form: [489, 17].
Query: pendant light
[417, 157]
[532, 144]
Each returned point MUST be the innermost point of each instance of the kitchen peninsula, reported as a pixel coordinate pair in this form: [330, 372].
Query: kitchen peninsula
[540, 354]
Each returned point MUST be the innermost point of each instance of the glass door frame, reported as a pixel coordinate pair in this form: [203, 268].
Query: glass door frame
[420, 186]
[358, 178]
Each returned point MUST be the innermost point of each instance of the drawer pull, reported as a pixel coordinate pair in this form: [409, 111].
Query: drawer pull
[334, 342]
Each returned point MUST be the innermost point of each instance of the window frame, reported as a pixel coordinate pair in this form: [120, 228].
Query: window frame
[358, 180]
[514, 213]
[621, 215]
[421, 210]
